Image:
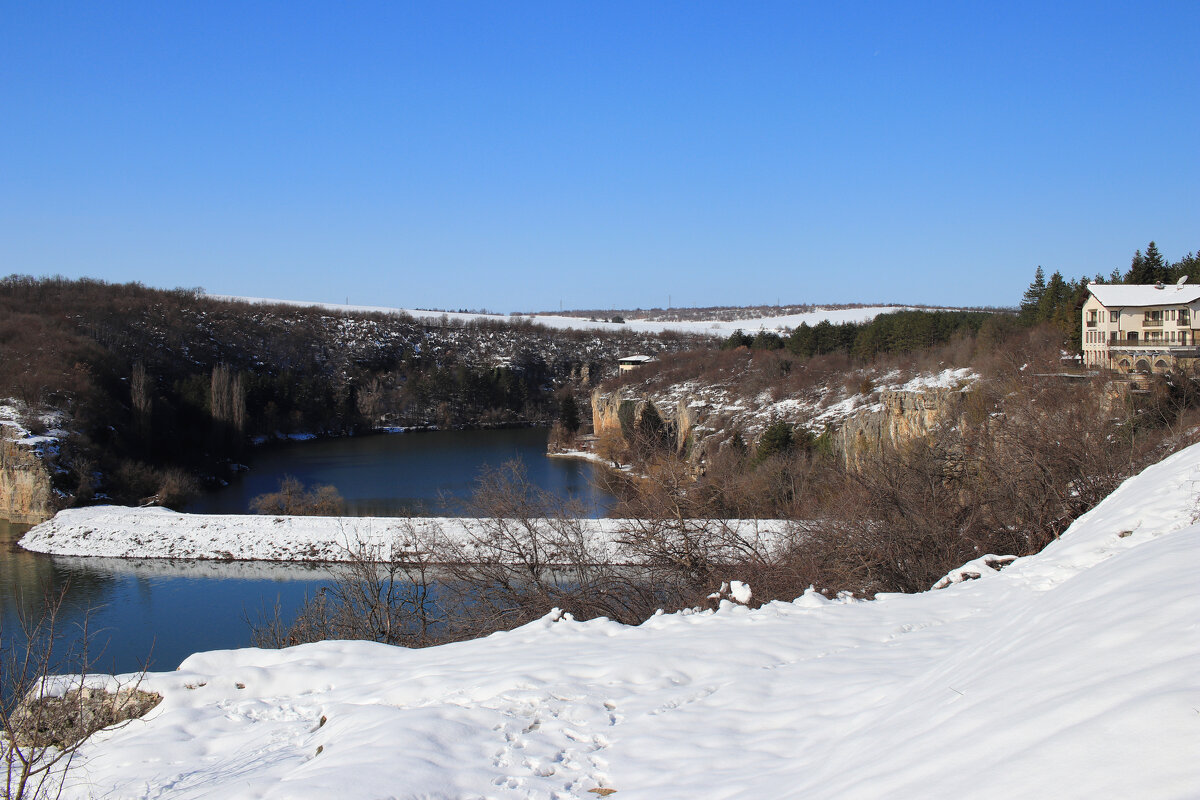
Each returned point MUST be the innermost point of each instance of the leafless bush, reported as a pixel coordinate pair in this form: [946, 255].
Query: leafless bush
[529, 551]
[294, 498]
[383, 592]
[46, 715]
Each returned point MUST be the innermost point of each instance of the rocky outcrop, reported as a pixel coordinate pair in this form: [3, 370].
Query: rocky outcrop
[624, 413]
[899, 416]
[26, 494]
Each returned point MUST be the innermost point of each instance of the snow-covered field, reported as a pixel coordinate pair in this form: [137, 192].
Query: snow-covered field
[1071, 674]
[708, 327]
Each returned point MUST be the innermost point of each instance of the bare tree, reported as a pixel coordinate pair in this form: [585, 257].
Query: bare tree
[45, 716]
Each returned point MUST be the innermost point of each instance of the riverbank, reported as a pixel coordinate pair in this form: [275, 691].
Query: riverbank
[149, 533]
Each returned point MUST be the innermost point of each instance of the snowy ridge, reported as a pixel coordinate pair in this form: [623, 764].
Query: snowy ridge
[147, 533]
[1074, 673]
[706, 327]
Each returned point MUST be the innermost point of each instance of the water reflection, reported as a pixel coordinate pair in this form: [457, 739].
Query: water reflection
[140, 610]
[418, 473]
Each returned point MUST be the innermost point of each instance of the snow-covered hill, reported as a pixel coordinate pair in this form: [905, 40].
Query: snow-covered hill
[1071, 674]
[706, 327]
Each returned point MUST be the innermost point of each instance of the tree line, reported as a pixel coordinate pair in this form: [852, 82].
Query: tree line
[893, 333]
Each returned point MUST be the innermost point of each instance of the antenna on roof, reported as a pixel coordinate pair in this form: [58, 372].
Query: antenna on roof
[1182, 280]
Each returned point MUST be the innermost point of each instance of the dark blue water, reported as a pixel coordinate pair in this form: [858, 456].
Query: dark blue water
[163, 611]
[138, 611]
[430, 473]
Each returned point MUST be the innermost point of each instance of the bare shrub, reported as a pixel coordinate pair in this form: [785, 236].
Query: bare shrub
[294, 498]
[382, 593]
[529, 551]
[46, 716]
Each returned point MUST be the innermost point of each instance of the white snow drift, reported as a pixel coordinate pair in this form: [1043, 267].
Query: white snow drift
[1071, 674]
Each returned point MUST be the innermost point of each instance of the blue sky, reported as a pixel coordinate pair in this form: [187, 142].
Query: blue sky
[517, 155]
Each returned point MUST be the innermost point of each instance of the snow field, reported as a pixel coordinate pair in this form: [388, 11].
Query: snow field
[1074, 673]
[704, 327]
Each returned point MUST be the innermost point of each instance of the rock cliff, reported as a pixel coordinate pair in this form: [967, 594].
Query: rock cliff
[897, 416]
[621, 412]
[26, 494]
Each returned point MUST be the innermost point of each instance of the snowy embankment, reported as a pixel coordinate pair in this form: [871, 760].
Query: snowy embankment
[706, 327]
[1071, 674]
[123, 532]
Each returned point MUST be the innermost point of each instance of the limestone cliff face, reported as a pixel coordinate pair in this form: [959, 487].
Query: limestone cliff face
[607, 414]
[900, 416]
[26, 494]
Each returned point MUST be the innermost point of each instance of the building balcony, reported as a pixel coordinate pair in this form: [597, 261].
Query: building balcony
[1091, 323]
[1152, 323]
[1174, 348]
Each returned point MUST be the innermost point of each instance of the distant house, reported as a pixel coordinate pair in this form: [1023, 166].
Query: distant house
[632, 362]
[1143, 328]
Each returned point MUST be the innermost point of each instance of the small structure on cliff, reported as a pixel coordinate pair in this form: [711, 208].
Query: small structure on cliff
[628, 363]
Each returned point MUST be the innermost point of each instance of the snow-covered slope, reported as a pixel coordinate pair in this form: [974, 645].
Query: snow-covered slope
[708, 327]
[1071, 674]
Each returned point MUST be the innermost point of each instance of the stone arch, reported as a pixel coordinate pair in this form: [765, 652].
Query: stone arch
[1160, 364]
[1142, 365]
[1123, 364]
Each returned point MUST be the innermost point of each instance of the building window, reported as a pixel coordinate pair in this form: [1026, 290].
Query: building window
[1185, 317]
[1113, 316]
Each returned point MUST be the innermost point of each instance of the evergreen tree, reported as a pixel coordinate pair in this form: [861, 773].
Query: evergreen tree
[801, 342]
[1155, 265]
[1188, 265]
[778, 438]
[1032, 300]
[568, 414]
[1053, 298]
[1137, 270]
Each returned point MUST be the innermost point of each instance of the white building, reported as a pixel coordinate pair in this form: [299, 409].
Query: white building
[632, 362]
[1144, 328]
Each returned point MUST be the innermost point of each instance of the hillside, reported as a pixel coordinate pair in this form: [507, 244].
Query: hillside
[1070, 674]
[154, 388]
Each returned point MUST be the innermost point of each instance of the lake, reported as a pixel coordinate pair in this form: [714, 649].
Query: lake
[164, 610]
[424, 473]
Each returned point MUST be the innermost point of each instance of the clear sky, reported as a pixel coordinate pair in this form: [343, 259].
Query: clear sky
[516, 155]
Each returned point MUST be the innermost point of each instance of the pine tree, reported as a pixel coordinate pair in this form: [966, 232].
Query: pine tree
[1137, 270]
[1032, 299]
[568, 414]
[1155, 265]
[1055, 296]
[1188, 265]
